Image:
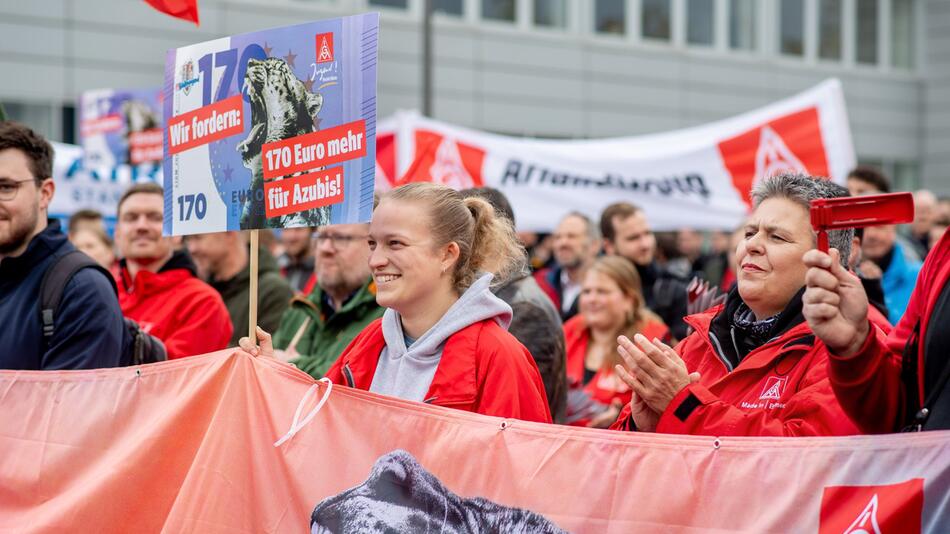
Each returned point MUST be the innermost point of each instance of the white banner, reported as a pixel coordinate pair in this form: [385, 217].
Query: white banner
[79, 187]
[698, 177]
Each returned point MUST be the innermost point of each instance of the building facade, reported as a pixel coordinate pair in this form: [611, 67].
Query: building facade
[549, 68]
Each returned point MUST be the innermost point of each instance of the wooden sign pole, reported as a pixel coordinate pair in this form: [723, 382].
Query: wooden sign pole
[252, 311]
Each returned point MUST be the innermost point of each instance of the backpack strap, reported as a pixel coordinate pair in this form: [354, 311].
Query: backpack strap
[54, 284]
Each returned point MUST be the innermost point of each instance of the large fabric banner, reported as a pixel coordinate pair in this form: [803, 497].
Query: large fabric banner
[699, 177]
[272, 129]
[189, 446]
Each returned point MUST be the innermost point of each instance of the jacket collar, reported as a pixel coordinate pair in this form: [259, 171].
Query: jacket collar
[178, 268]
[43, 245]
[455, 380]
[789, 333]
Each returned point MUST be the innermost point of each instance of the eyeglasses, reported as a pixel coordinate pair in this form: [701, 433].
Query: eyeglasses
[338, 240]
[9, 188]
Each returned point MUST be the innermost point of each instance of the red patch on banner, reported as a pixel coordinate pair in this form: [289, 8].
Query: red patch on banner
[872, 509]
[101, 125]
[145, 146]
[317, 149]
[290, 195]
[445, 161]
[324, 47]
[792, 143]
[386, 158]
[205, 125]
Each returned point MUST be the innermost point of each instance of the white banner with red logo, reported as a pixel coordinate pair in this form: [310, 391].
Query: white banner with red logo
[188, 445]
[698, 177]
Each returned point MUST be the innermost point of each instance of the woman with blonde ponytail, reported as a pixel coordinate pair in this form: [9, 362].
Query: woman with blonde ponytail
[611, 304]
[443, 339]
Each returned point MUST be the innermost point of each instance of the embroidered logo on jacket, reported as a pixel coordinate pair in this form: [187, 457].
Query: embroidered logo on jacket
[774, 388]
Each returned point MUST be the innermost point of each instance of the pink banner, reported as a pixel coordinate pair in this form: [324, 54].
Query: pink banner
[188, 446]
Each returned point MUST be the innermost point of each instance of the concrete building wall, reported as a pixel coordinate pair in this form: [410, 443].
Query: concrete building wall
[513, 78]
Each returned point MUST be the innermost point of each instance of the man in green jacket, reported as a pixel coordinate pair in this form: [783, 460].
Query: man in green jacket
[223, 261]
[317, 327]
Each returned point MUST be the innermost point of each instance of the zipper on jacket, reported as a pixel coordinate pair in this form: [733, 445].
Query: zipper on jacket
[348, 376]
[717, 346]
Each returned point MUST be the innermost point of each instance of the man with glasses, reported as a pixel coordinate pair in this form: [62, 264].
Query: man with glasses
[223, 261]
[158, 286]
[317, 327]
[87, 326]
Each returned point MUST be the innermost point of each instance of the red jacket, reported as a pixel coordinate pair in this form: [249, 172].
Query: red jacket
[869, 384]
[483, 370]
[605, 387]
[779, 389]
[178, 308]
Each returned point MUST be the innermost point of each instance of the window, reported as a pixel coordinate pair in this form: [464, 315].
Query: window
[69, 124]
[498, 10]
[39, 117]
[829, 29]
[655, 19]
[792, 27]
[448, 7]
[550, 13]
[699, 22]
[867, 31]
[610, 16]
[742, 24]
[906, 176]
[902, 33]
[402, 4]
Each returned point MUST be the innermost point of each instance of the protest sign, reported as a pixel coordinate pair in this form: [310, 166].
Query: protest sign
[272, 129]
[97, 188]
[188, 445]
[695, 178]
[121, 127]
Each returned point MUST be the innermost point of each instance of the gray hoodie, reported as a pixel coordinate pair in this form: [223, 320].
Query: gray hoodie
[407, 372]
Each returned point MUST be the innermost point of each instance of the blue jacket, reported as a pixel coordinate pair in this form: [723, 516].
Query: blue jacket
[898, 281]
[88, 325]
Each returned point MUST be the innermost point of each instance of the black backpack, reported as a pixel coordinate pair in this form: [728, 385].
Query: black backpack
[138, 346]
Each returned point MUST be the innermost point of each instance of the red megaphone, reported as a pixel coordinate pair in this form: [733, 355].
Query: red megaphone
[858, 212]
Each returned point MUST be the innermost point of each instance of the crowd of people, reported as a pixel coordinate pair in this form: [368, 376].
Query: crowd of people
[438, 300]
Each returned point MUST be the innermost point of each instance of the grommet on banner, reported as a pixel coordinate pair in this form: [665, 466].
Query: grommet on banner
[505, 424]
[138, 372]
[298, 424]
[717, 443]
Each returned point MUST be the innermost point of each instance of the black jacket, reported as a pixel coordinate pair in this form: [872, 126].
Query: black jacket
[89, 327]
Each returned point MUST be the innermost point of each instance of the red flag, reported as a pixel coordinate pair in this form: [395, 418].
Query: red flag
[182, 9]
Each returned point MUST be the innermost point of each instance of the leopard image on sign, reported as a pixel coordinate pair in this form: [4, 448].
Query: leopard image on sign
[401, 496]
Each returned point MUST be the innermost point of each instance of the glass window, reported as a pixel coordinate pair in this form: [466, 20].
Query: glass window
[655, 19]
[498, 10]
[792, 27]
[742, 24]
[69, 124]
[829, 29]
[390, 3]
[902, 33]
[39, 117]
[448, 7]
[867, 31]
[610, 16]
[906, 176]
[550, 13]
[700, 16]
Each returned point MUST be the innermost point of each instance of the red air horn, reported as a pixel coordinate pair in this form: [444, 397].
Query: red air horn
[858, 212]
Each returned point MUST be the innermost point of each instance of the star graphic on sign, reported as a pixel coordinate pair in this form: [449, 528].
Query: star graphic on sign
[267, 49]
[309, 85]
[290, 57]
[227, 173]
